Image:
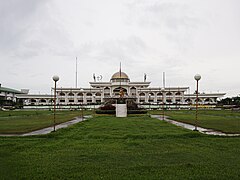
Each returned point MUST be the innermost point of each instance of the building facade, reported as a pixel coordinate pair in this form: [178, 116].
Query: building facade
[100, 92]
[8, 96]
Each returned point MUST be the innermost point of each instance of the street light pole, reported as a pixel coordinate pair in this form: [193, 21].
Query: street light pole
[81, 90]
[94, 101]
[149, 97]
[55, 79]
[163, 103]
[197, 77]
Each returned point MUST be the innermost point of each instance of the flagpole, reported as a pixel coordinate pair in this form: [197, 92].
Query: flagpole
[76, 72]
[120, 76]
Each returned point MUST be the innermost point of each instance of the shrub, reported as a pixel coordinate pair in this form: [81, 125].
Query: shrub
[108, 107]
[137, 112]
[105, 111]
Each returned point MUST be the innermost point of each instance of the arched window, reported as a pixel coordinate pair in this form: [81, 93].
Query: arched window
[80, 94]
[89, 94]
[178, 93]
[159, 94]
[62, 94]
[199, 100]
[70, 94]
[151, 94]
[142, 94]
[207, 100]
[98, 94]
[33, 100]
[42, 100]
[169, 94]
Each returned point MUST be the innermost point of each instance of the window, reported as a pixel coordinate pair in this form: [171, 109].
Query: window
[169, 100]
[62, 94]
[178, 93]
[169, 94]
[98, 94]
[71, 94]
[43, 101]
[159, 94]
[151, 94]
[89, 94]
[80, 94]
[33, 100]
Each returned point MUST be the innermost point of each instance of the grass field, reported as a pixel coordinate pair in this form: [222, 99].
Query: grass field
[222, 120]
[17, 122]
[120, 148]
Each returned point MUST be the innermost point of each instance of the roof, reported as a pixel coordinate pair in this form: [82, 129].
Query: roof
[4, 89]
[120, 75]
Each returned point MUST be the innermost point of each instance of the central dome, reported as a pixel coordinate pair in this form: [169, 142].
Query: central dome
[119, 75]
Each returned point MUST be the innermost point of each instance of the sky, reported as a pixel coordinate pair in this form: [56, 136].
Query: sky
[39, 39]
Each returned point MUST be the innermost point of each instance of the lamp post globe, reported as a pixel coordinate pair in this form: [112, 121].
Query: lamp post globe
[197, 77]
[55, 78]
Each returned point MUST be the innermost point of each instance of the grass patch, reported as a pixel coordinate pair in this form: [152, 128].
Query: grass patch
[17, 122]
[221, 120]
[137, 147]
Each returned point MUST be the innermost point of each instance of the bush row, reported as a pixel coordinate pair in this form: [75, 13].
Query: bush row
[114, 112]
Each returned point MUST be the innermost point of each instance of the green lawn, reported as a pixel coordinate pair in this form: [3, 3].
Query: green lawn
[17, 122]
[222, 120]
[120, 148]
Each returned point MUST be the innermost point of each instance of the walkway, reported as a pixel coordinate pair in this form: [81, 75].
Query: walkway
[50, 129]
[191, 127]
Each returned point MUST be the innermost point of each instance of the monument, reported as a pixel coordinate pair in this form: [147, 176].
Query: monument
[121, 106]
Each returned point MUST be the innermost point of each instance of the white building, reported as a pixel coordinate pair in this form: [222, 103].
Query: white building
[100, 92]
[8, 96]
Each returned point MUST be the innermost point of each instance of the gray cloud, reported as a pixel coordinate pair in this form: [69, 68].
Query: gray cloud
[16, 18]
[27, 29]
[148, 36]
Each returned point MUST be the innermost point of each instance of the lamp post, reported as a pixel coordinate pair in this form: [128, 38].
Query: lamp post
[94, 101]
[81, 90]
[55, 79]
[149, 97]
[197, 77]
[163, 103]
